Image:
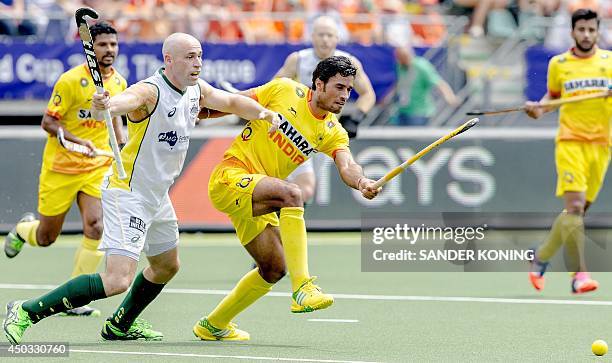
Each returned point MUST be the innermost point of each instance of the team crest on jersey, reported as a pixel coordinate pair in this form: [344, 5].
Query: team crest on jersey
[84, 82]
[569, 177]
[244, 182]
[331, 124]
[170, 137]
[194, 110]
[57, 99]
[299, 92]
[117, 80]
[246, 133]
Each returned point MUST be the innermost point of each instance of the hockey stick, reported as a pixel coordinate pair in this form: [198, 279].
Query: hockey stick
[557, 102]
[94, 68]
[78, 148]
[394, 172]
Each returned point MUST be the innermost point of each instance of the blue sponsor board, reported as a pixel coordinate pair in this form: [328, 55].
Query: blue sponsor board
[28, 71]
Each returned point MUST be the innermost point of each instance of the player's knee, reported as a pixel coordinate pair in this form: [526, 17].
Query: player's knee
[93, 229]
[292, 196]
[272, 272]
[174, 267]
[575, 207]
[166, 270]
[46, 239]
[170, 269]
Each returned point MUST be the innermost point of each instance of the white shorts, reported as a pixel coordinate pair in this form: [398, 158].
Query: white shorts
[132, 226]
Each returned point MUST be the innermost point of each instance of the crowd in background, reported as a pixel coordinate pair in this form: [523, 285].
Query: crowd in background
[420, 22]
[400, 23]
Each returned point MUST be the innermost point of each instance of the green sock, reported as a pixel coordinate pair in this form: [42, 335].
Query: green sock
[77, 292]
[140, 296]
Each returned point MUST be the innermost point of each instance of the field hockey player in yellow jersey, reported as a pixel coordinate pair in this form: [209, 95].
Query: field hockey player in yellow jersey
[66, 176]
[582, 151]
[248, 185]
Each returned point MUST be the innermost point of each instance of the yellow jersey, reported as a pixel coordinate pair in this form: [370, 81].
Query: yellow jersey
[70, 103]
[300, 135]
[569, 75]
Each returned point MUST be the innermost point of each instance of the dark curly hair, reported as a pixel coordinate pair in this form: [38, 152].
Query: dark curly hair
[101, 27]
[329, 67]
[584, 14]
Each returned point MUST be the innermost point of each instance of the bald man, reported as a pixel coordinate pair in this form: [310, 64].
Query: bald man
[138, 215]
[300, 66]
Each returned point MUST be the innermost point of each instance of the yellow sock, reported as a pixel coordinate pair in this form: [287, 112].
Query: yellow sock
[554, 240]
[87, 257]
[250, 288]
[293, 235]
[573, 237]
[27, 231]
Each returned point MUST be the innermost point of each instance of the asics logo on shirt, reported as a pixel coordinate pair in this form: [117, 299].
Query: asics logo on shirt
[172, 112]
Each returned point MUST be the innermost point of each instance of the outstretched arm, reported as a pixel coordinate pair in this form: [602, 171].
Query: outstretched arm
[140, 96]
[238, 104]
[352, 174]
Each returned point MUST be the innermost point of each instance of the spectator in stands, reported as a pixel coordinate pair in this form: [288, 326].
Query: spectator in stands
[328, 8]
[223, 26]
[16, 22]
[361, 21]
[291, 26]
[432, 30]
[53, 19]
[395, 26]
[196, 17]
[480, 9]
[416, 77]
[258, 27]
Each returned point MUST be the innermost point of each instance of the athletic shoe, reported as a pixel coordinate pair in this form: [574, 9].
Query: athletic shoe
[582, 282]
[206, 331]
[13, 243]
[536, 273]
[16, 322]
[82, 311]
[140, 329]
[309, 297]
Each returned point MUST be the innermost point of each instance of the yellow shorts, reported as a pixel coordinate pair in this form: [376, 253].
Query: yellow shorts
[57, 191]
[230, 190]
[581, 167]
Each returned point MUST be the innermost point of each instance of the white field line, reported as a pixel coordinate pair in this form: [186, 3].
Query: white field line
[218, 356]
[334, 320]
[359, 297]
